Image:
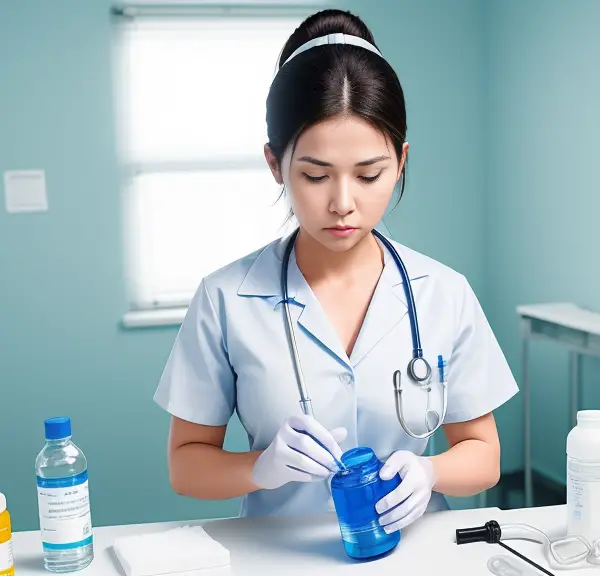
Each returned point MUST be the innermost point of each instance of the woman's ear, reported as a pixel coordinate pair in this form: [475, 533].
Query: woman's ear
[273, 164]
[402, 162]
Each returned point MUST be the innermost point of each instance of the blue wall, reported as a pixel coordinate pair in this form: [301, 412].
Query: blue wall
[542, 196]
[62, 293]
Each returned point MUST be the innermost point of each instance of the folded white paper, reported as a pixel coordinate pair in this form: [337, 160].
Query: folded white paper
[185, 549]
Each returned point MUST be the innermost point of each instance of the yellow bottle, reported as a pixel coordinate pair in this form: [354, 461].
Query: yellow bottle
[6, 553]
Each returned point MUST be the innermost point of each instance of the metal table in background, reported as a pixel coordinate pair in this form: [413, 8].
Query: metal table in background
[575, 328]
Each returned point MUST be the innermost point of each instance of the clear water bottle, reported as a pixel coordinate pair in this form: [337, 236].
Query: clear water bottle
[63, 500]
[355, 491]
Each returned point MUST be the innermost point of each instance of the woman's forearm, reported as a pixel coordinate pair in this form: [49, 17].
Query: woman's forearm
[207, 472]
[469, 467]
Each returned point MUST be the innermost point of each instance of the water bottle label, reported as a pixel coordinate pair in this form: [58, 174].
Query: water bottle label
[64, 509]
[6, 556]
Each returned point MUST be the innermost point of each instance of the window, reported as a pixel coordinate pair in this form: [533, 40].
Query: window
[191, 95]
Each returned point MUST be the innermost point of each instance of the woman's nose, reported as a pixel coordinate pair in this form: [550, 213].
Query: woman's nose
[342, 199]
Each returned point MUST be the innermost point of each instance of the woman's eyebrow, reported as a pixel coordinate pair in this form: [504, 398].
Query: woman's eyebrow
[317, 162]
[372, 161]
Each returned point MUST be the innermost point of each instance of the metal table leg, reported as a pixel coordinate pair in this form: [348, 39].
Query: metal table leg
[527, 421]
[574, 358]
[483, 499]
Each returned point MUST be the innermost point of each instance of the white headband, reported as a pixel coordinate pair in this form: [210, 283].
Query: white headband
[337, 38]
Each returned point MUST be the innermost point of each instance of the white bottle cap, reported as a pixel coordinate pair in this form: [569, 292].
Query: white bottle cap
[588, 417]
[583, 441]
[2, 503]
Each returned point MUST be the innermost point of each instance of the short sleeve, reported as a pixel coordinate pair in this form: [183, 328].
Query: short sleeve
[479, 377]
[198, 382]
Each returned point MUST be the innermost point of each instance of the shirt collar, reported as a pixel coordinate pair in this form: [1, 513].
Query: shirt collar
[264, 275]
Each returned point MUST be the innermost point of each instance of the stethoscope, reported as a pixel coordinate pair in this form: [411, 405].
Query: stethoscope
[418, 369]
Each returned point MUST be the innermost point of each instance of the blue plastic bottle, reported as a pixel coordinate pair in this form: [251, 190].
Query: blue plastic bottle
[63, 500]
[355, 493]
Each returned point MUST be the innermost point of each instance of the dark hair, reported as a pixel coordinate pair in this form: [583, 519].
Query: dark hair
[333, 80]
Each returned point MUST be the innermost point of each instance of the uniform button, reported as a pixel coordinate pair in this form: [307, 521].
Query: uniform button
[346, 378]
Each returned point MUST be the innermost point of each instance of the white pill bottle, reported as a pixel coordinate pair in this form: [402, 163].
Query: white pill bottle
[583, 476]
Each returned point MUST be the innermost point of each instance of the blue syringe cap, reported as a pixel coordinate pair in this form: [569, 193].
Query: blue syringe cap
[57, 428]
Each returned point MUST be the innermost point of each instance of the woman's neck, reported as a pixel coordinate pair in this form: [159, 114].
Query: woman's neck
[318, 263]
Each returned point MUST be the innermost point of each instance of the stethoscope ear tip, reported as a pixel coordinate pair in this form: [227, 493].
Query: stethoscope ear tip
[397, 377]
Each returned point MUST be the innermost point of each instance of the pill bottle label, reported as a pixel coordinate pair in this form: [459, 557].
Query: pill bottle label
[64, 510]
[576, 490]
[583, 499]
[6, 557]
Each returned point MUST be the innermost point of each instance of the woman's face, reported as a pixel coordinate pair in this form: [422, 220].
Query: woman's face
[340, 179]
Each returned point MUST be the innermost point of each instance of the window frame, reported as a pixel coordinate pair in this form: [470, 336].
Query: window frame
[171, 313]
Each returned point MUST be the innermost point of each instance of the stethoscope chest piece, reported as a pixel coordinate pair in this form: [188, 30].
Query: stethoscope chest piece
[419, 370]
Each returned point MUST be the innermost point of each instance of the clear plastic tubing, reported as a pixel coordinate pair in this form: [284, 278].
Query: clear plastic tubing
[355, 491]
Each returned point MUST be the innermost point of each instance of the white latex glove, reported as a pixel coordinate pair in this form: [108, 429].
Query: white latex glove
[295, 456]
[414, 492]
[330, 502]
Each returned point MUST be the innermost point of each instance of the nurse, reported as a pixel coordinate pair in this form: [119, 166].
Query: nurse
[336, 124]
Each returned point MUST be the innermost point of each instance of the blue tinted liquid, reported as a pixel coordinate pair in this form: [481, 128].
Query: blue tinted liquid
[355, 493]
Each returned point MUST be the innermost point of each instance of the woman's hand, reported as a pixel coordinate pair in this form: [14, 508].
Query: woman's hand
[409, 500]
[300, 452]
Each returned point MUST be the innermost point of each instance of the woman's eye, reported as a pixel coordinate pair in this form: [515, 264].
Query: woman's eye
[314, 179]
[370, 179]
[317, 179]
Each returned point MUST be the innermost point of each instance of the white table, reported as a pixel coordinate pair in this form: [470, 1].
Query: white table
[311, 546]
[573, 327]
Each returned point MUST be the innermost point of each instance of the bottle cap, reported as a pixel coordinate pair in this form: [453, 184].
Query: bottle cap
[360, 465]
[2, 503]
[57, 428]
[359, 456]
[588, 417]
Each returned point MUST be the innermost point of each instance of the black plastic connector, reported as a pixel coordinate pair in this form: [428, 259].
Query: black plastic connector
[489, 533]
